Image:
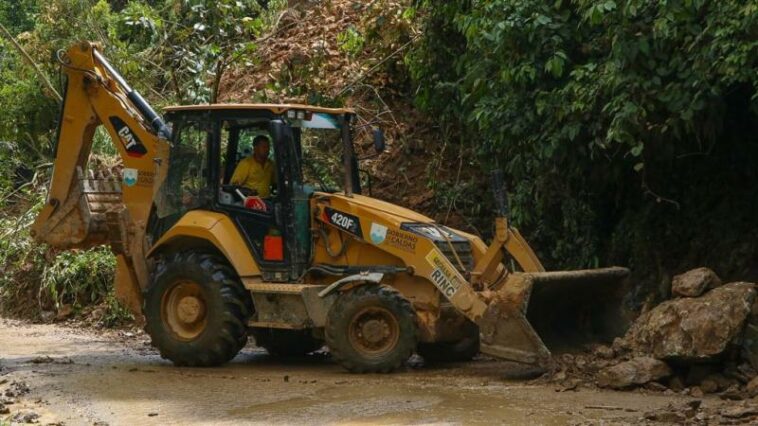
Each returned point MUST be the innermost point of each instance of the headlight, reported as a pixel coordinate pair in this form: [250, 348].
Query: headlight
[434, 233]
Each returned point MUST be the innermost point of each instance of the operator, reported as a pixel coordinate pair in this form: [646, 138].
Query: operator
[256, 172]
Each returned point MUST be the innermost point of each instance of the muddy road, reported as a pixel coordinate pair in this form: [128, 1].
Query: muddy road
[86, 377]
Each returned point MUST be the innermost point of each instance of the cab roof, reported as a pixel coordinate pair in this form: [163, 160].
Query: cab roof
[275, 108]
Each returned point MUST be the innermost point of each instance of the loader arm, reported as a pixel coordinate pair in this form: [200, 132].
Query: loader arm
[84, 210]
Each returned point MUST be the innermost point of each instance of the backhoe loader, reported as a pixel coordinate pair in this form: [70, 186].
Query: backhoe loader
[209, 263]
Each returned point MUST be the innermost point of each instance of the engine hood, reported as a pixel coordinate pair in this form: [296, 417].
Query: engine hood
[402, 214]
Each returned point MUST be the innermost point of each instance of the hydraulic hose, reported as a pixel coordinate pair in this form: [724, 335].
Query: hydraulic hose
[148, 113]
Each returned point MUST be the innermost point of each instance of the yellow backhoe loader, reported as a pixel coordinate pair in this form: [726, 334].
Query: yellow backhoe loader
[314, 262]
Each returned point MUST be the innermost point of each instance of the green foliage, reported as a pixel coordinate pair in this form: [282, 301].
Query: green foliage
[351, 41]
[18, 15]
[187, 43]
[79, 277]
[22, 260]
[194, 42]
[35, 277]
[627, 130]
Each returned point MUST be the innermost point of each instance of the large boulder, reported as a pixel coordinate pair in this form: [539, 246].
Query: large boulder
[752, 387]
[636, 371]
[693, 328]
[694, 283]
[750, 339]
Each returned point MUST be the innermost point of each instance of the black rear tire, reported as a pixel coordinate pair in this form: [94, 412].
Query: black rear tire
[286, 343]
[371, 329]
[215, 329]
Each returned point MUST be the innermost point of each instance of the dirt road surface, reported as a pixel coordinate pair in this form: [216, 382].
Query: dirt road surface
[86, 377]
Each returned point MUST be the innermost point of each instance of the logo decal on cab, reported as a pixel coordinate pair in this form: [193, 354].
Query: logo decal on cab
[378, 233]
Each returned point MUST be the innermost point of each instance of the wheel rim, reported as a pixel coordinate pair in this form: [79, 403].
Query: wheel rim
[374, 331]
[183, 310]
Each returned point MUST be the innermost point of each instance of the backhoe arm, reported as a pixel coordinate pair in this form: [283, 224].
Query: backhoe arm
[83, 209]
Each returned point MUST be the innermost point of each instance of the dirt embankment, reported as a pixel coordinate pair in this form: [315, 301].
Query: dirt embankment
[351, 53]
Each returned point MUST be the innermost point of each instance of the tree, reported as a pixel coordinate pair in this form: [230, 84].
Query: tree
[626, 129]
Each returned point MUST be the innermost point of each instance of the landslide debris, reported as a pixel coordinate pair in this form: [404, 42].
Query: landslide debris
[690, 345]
[694, 283]
[637, 371]
[694, 328]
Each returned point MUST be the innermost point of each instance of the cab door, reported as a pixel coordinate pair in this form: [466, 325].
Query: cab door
[260, 223]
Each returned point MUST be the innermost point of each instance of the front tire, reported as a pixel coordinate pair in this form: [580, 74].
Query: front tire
[196, 310]
[371, 329]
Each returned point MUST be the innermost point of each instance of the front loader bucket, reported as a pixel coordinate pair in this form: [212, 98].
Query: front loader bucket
[570, 309]
[536, 313]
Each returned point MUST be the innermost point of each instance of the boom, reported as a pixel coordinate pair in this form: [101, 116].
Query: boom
[84, 210]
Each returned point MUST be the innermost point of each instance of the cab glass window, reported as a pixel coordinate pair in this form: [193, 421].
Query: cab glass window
[186, 186]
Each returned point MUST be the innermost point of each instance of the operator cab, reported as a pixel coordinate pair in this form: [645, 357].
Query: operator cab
[311, 150]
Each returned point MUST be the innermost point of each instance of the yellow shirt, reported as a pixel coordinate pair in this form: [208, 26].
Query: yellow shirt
[251, 174]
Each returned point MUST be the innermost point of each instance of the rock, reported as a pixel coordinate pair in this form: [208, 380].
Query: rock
[599, 364]
[620, 346]
[721, 381]
[4, 409]
[26, 417]
[604, 352]
[693, 328]
[675, 413]
[637, 371]
[664, 416]
[569, 385]
[733, 394]
[697, 392]
[559, 376]
[64, 312]
[580, 362]
[47, 316]
[747, 371]
[740, 411]
[656, 387]
[709, 386]
[694, 283]
[752, 387]
[750, 338]
[676, 384]
[691, 407]
[16, 389]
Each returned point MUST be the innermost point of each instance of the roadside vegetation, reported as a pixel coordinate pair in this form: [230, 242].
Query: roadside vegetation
[627, 130]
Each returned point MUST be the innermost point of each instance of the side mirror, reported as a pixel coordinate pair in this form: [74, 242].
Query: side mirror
[378, 140]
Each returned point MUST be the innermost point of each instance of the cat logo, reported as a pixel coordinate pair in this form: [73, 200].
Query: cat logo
[131, 142]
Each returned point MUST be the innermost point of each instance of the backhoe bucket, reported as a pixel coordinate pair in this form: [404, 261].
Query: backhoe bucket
[535, 314]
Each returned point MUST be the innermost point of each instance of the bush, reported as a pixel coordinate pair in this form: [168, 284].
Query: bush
[79, 278]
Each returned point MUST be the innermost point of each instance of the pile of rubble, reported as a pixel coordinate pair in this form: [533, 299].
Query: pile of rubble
[702, 341]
